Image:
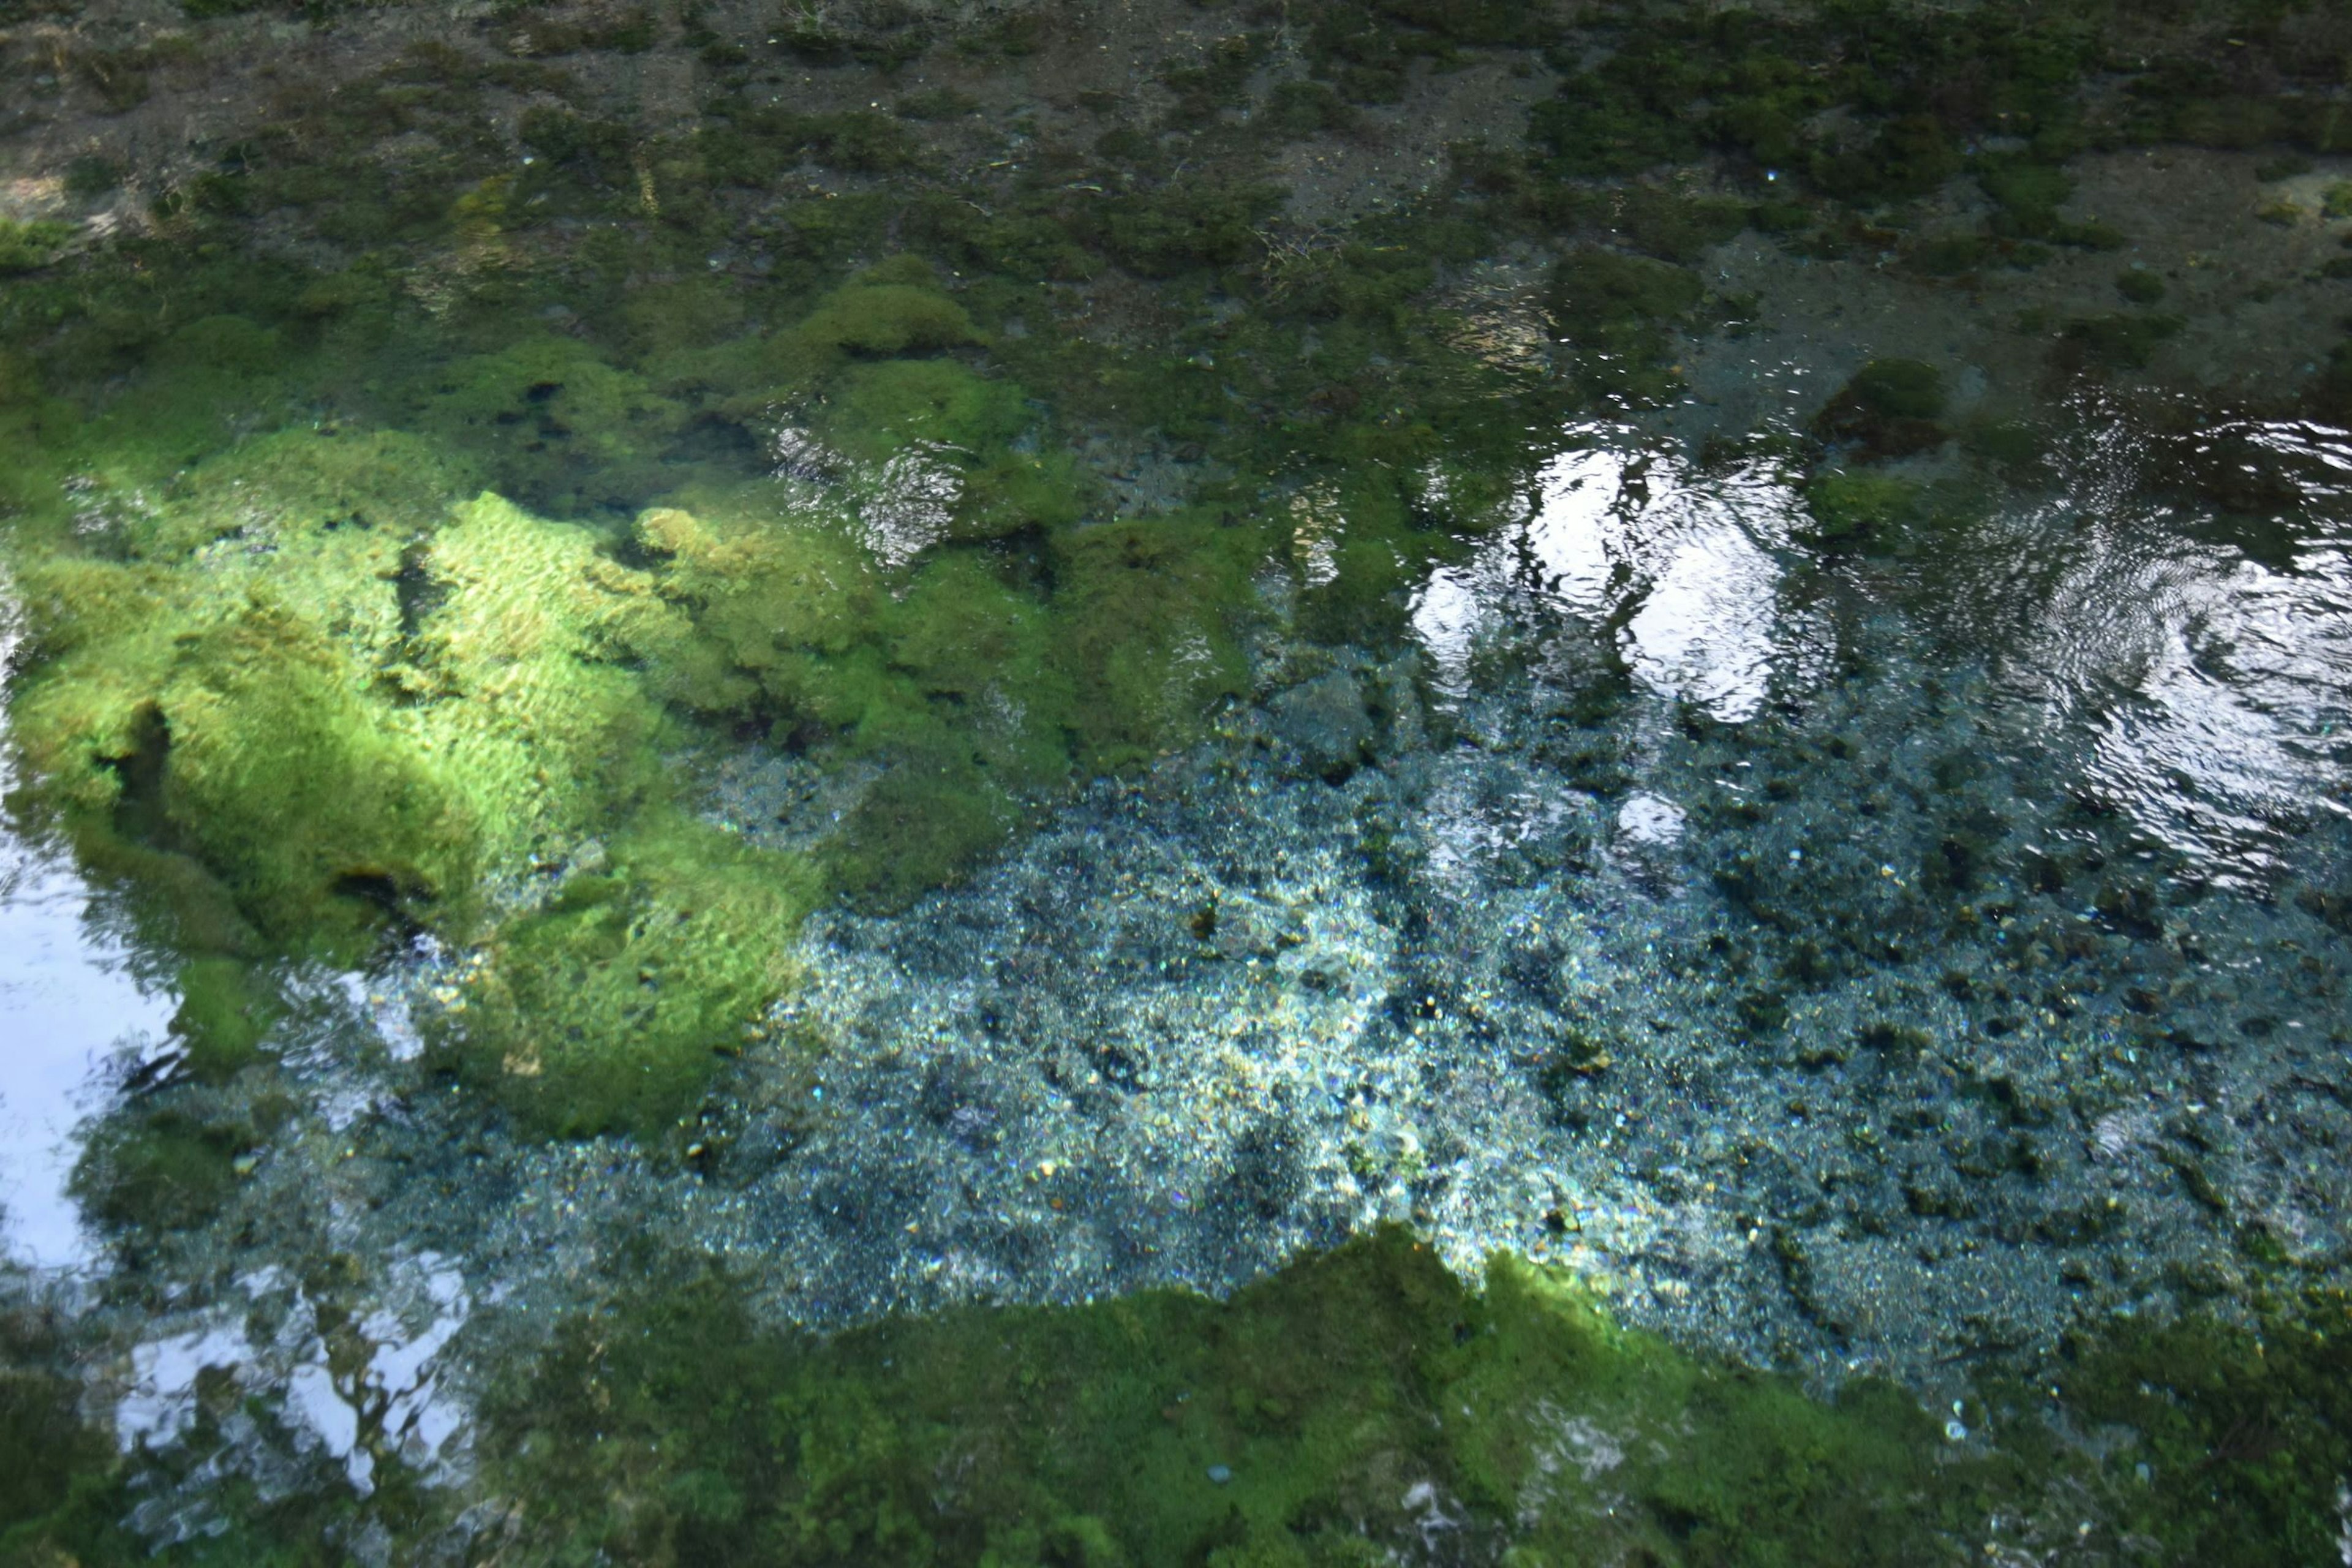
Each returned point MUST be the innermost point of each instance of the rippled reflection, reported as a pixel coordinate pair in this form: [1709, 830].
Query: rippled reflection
[66, 1002]
[2206, 691]
[1683, 569]
[2213, 691]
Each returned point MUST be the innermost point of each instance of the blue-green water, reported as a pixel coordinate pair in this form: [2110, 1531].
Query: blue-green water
[1213, 784]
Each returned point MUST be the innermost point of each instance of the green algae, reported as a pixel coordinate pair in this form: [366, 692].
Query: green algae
[1859, 511]
[306, 696]
[1333, 1413]
[1891, 408]
[1319, 1416]
[26, 246]
[609, 1006]
[228, 1007]
[945, 599]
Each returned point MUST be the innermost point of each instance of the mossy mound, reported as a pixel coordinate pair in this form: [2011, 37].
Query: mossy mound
[1859, 512]
[1348, 1410]
[326, 696]
[1892, 407]
[1330, 1413]
[25, 246]
[1149, 643]
[1321, 1416]
[556, 423]
[1619, 311]
[609, 1005]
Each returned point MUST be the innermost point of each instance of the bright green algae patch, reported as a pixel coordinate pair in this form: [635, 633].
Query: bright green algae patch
[312, 685]
[1353, 1405]
[405, 595]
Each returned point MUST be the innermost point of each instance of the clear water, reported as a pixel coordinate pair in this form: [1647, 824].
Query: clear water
[1807, 814]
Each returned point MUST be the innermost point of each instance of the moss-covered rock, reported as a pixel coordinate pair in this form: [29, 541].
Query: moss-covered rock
[1856, 513]
[1148, 631]
[26, 245]
[554, 423]
[1319, 1415]
[609, 1008]
[1891, 407]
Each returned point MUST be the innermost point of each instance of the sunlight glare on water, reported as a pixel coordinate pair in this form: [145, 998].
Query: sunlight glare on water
[1685, 569]
[67, 1002]
[2214, 690]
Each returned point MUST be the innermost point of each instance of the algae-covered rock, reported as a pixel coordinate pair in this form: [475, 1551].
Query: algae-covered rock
[394, 707]
[764, 589]
[1594, 289]
[928, 818]
[609, 1008]
[888, 318]
[935, 446]
[226, 1009]
[1619, 310]
[1326, 1414]
[271, 767]
[1858, 513]
[26, 246]
[1148, 636]
[551, 421]
[1891, 407]
[1315, 1418]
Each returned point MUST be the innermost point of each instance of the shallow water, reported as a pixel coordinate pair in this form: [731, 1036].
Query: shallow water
[667, 765]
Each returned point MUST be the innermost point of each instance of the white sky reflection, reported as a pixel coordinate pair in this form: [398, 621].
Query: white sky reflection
[66, 1002]
[2216, 690]
[1684, 567]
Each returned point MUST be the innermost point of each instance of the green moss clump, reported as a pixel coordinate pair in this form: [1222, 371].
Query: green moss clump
[442, 695]
[937, 446]
[226, 1009]
[1305, 1421]
[26, 247]
[48, 1455]
[1679, 227]
[162, 1168]
[1322, 1416]
[1314, 1416]
[608, 1008]
[771, 598]
[2029, 193]
[1858, 513]
[1620, 311]
[274, 770]
[1898, 389]
[552, 422]
[1193, 222]
[1148, 637]
[1619, 119]
[891, 308]
[1890, 408]
[1899, 159]
[1592, 289]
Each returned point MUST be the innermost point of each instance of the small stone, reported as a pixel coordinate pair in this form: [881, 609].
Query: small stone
[1324, 721]
[1221, 1474]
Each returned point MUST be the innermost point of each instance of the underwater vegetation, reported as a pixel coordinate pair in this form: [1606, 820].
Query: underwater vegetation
[303, 687]
[403, 596]
[399, 590]
[1355, 1404]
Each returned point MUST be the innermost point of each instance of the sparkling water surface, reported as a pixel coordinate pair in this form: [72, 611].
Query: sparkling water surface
[1811, 812]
